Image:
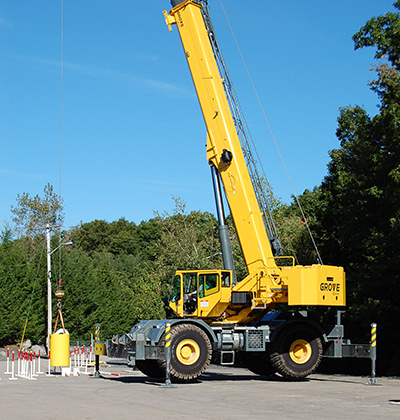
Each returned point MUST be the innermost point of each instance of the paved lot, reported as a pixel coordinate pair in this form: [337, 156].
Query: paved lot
[221, 393]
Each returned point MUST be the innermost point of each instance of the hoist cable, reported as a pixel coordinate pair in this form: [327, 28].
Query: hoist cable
[273, 137]
[61, 92]
[61, 84]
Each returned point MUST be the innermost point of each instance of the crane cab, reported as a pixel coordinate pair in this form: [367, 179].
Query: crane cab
[201, 293]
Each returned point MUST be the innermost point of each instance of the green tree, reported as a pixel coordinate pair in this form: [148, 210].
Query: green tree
[188, 241]
[360, 197]
[6, 235]
[35, 212]
[382, 32]
[19, 268]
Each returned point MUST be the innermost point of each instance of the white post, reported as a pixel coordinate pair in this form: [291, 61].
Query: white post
[39, 372]
[34, 364]
[30, 369]
[49, 368]
[12, 370]
[8, 362]
[19, 363]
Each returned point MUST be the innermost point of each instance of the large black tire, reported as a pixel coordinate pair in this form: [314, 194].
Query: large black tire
[296, 351]
[190, 352]
[258, 362]
[151, 368]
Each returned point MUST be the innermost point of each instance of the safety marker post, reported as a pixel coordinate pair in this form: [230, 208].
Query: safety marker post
[87, 358]
[76, 369]
[49, 371]
[13, 378]
[373, 356]
[30, 377]
[99, 350]
[22, 357]
[167, 356]
[90, 355]
[34, 364]
[8, 363]
[23, 363]
[38, 371]
[26, 365]
[19, 363]
[96, 373]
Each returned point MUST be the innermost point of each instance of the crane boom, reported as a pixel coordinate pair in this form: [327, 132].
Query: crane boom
[223, 146]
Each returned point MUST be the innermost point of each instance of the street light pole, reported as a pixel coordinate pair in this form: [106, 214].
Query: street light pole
[49, 312]
[49, 309]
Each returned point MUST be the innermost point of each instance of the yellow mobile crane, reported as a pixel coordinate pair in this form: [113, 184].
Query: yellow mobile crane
[220, 317]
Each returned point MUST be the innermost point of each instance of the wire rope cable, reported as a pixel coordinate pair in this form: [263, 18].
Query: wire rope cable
[273, 137]
[61, 119]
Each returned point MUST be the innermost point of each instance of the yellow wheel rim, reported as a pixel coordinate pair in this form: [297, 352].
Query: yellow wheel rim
[300, 351]
[188, 352]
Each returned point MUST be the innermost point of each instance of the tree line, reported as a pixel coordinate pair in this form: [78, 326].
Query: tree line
[118, 273]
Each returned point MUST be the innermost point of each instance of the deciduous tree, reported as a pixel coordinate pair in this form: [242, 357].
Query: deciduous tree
[35, 212]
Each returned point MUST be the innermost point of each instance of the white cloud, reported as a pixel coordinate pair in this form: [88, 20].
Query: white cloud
[94, 71]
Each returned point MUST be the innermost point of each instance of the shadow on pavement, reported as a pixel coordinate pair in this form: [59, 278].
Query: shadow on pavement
[205, 377]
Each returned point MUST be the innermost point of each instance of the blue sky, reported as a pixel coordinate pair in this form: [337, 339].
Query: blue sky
[132, 131]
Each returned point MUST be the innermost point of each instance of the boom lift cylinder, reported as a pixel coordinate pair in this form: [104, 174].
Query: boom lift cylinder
[224, 237]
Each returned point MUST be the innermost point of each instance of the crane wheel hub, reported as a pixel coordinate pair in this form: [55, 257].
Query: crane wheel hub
[300, 351]
[188, 352]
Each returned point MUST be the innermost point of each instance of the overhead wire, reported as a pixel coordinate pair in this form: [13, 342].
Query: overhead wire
[272, 135]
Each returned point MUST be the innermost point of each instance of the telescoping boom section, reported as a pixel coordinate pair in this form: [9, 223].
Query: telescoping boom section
[268, 281]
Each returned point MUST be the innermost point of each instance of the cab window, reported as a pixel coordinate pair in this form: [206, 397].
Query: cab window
[189, 282]
[176, 289]
[226, 279]
[208, 284]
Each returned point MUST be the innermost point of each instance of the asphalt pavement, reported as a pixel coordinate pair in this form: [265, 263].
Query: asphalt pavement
[220, 393]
